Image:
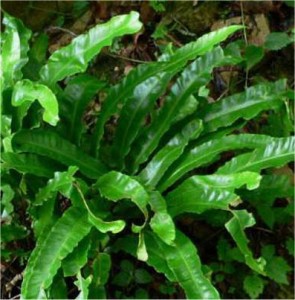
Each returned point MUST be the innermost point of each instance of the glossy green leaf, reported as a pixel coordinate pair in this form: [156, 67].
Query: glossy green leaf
[101, 225]
[106, 226]
[116, 186]
[62, 182]
[158, 165]
[240, 221]
[134, 111]
[75, 261]
[25, 92]
[49, 144]
[190, 105]
[75, 57]
[141, 252]
[183, 262]
[14, 48]
[75, 99]
[161, 223]
[101, 271]
[244, 105]
[277, 153]
[51, 248]
[208, 152]
[204, 192]
[28, 163]
[44, 216]
[192, 78]
[170, 63]
[83, 285]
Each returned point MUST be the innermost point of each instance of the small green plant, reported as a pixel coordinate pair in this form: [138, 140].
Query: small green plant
[158, 5]
[91, 193]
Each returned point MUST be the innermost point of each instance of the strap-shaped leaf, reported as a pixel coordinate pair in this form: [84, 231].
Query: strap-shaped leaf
[155, 169]
[134, 111]
[200, 193]
[75, 57]
[14, 48]
[49, 144]
[161, 223]
[62, 182]
[277, 153]
[192, 78]
[242, 219]
[183, 262]
[83, 285]
[101, 271]
[208, 152]
[75, 261]
[28, 163]
[244, 105]
[173, 63]
[44, 216]
[117, 186]
[77, 95]
[51, 248]
[25, 92]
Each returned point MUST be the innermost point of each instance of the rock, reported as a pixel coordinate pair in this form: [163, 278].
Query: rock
[260, 29]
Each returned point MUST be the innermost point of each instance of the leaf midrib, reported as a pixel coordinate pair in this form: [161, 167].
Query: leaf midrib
[165, 67]
[234, 108]
[41, 249]
[246, 167]
[192, 158]
[62, 154]
[75, 112]
[161, 125]
[121, 146]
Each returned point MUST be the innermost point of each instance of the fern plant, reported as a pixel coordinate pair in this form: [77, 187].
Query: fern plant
[123, 191]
